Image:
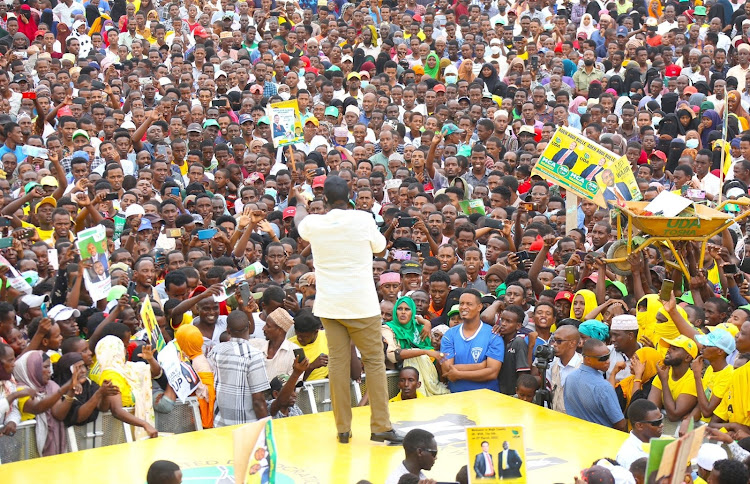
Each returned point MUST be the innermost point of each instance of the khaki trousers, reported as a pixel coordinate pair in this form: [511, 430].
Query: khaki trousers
[365, 333]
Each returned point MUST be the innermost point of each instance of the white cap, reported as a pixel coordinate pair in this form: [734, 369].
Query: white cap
[624, 322]
[62, 312]
[134, 209]
[165, 81]
[346, 57]
[219, 74]
[33, 301]
[709, 454]
[128, 125]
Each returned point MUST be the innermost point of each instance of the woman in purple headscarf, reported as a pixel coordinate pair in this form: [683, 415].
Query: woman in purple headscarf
[710, 121]
[34, 370]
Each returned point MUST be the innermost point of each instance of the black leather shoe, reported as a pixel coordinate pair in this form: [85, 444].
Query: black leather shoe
[390, 436]
[344, 438]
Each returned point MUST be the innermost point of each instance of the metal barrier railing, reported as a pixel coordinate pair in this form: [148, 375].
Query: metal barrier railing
[315, 397]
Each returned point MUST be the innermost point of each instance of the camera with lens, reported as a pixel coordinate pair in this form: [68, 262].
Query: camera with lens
[544, 354]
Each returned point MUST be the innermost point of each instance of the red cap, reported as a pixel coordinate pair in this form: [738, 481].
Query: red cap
[64, 111]
[310, 69]
[672, 71]
[289, 212]
[256, 87]
[659, 154]
[319, 181]
[439, 88]
[199, 31]
[558, 47]
[255, 176]
[567, 295]
[38, 33]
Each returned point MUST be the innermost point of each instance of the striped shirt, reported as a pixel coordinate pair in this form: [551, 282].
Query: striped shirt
[240, 373]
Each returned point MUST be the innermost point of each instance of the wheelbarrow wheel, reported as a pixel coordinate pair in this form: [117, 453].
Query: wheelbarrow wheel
[619, 250]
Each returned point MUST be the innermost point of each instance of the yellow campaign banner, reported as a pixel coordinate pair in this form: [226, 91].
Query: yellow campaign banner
[587, 169]
[286, 125]
[152, 326]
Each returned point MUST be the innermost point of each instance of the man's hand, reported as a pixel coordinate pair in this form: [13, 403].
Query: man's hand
[147, 353]
[697, 365]
[662, 370]
[320, 361]
[300, 367]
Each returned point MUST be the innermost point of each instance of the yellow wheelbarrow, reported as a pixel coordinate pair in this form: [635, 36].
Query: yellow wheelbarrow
[702, 224]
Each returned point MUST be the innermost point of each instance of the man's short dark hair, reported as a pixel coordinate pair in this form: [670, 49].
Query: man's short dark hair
[306, 322]
[417, 439]
[730, 471]
[638, 410]
[336, 190]
[162, 472]
[174, 278]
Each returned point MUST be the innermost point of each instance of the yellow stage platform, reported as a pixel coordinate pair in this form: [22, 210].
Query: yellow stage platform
[557, 447]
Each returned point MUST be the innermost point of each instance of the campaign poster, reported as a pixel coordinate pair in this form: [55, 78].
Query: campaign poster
[180, 375]
[152, 326]
[286, 125]
[255, 453]
[469, 207]
[496, 454]
[92, 245]
[15, 279]
[587, 169]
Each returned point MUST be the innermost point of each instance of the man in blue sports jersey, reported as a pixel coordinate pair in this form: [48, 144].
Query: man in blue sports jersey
[473, 354]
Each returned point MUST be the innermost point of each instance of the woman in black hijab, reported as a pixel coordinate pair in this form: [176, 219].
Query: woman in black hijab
[687, 120]
[89, 398]
[488, 74]
[615, 82]
[669, 126]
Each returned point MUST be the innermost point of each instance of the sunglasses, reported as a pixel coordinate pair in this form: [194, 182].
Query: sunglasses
[655, 423]
[433, 453]
[598, 358]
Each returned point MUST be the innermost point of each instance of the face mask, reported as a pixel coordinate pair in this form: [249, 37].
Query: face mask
[656, 121]
[691, 143]
[364, 84]
[284, 95]
[32, 277]
[581, 109]
[495, 49]
[451, 79]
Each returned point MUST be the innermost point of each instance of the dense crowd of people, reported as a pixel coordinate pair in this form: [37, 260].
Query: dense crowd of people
[153, 119]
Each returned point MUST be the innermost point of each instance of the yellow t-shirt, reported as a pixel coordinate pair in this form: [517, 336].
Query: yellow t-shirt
[21, 403]
[128, 399]
[735, 406]
[312, 351]
[716, 383]
[685, 385]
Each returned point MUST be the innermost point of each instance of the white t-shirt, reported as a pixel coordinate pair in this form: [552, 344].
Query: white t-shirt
[343, 242]
[631, 451]
[400, 471]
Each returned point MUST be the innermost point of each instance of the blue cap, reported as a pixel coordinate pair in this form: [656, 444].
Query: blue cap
[81, 154]
[244, 118]
[145, 224]
[622, 30]
[719, 338]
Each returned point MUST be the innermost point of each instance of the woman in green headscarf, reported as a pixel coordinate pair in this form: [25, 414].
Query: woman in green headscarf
[407, 346]
[594, 329]
[432, 65]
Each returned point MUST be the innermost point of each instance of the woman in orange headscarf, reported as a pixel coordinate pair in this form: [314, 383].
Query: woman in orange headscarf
[734, 105]
[190, 339]
[466, 70]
